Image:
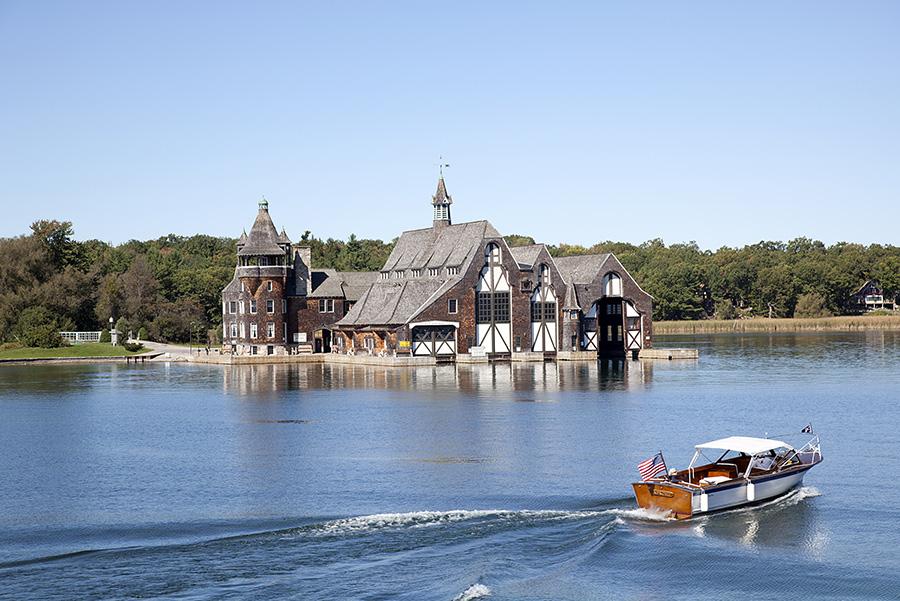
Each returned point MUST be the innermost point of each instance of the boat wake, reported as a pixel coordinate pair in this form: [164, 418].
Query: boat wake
[476, 591]
[423, 519]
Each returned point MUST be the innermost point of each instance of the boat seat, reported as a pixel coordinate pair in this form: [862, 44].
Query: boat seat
[713, 480]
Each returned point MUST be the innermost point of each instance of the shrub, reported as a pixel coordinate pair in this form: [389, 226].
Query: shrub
[133, 347]
[142, 333]
[811, 304]
[122, 326]
[38, 327]
[10, 346]
[105, 337]
[725, 309]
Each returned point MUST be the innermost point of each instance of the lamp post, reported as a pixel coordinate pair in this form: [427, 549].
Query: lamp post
[112, 332]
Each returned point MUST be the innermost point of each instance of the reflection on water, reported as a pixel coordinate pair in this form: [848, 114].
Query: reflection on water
[530, 377]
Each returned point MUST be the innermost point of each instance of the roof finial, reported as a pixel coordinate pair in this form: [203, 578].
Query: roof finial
[441, 165]
[264, 204]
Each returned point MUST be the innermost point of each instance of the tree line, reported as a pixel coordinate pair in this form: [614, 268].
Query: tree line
[171, 287]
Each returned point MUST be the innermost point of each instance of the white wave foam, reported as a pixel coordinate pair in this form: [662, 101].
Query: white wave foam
[641, 514]
[421, 519]
[476, 591]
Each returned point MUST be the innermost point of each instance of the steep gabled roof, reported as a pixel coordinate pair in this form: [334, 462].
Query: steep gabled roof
[526, 256]
[264, 239]
[450, 246]
[580, 269]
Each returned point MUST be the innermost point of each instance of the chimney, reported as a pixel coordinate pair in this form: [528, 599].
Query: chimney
[303, 265]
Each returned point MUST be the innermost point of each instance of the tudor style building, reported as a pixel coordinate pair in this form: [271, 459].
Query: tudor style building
[454, 289]
[444, 291]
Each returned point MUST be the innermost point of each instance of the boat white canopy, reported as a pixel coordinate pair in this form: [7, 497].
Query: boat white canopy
[745, 444]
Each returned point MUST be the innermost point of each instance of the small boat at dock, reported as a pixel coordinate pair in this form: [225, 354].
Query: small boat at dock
[747, 471]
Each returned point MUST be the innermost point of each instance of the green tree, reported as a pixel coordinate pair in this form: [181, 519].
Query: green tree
[811, 304]
[38, 327]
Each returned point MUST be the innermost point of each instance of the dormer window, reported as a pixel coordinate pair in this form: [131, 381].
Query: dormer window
[416, 273]
[399, 274]
[453, 271]
[433, 272]
[385, 275]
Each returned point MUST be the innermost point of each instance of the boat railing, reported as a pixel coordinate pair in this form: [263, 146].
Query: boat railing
[811, 446]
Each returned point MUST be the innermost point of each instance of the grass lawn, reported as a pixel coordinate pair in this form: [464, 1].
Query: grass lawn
[76, 350]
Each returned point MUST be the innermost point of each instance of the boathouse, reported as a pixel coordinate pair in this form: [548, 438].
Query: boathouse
[460, 289]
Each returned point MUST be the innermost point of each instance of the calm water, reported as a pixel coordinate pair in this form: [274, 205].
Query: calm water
[498, 482]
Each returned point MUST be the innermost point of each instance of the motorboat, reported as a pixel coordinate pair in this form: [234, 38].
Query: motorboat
[747, 471]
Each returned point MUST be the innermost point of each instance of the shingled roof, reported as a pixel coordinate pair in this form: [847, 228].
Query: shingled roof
[580, 269]
[351, 285]
[450, 246]
[525, 256]
[263, 239]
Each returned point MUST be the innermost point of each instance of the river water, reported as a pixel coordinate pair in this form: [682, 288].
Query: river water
[502, 482]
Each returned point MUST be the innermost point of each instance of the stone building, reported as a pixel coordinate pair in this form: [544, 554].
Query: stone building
[454, 289]
[276, 303]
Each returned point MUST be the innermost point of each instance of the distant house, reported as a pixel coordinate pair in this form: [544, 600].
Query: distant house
[870, 297]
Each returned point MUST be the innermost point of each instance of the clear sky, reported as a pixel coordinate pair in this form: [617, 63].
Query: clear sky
[720, 122]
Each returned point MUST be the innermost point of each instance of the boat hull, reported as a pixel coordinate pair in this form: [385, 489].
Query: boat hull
[683, 502]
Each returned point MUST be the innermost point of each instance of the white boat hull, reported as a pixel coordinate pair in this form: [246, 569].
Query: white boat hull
[755, 491]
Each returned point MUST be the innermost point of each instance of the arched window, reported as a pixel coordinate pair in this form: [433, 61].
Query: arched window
[612, 284]
[492, 254]
[544, 277]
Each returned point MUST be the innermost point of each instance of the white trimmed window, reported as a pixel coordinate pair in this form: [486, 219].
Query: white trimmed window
[253, 331]
[416, 273]
[252, 306]
[326, 305]
[270, 306]
[242, 307]
[270, 330]
[452, 306]
[232, 307]
[453, 271]
[433, 272]
[385, 275]
[284, 307]
[269, 286]
[242, 286]
[234, 330]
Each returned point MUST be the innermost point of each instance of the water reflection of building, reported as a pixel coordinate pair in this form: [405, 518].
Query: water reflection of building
[533, 378]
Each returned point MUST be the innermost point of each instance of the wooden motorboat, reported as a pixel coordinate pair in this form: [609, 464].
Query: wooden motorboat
[748, 471]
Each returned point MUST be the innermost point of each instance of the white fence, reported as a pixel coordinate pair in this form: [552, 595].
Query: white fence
[80, 337]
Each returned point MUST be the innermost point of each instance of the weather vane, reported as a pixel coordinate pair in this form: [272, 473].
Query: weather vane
[441, 165]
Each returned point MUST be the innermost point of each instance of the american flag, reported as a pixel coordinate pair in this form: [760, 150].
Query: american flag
[652, 467]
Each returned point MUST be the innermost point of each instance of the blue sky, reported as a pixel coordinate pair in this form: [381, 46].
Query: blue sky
[724, 123]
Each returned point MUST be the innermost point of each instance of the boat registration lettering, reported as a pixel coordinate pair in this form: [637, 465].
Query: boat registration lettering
[657, 492]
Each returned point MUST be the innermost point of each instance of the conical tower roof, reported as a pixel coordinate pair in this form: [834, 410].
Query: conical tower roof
[264, 238]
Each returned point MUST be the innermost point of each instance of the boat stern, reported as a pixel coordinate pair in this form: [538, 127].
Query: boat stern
[664, 497]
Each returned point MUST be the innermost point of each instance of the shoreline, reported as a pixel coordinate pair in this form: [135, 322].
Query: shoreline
[844, 323]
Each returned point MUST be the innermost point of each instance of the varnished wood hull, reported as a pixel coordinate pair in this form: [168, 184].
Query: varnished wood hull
[664, 497]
